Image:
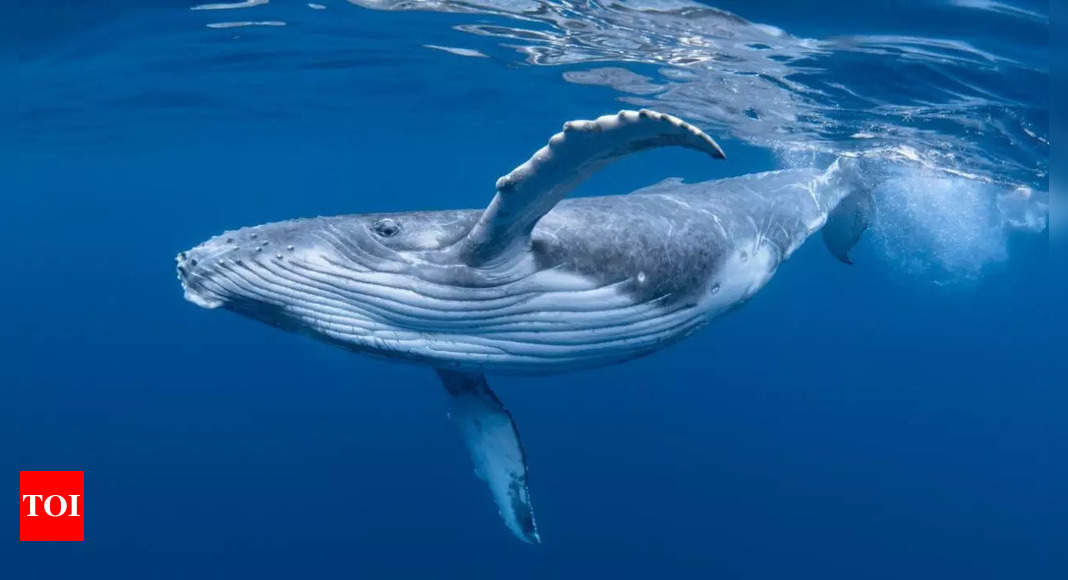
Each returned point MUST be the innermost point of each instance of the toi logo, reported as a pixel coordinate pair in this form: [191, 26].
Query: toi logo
[51, 506]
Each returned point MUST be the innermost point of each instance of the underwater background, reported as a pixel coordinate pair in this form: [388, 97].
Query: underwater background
[902, 417]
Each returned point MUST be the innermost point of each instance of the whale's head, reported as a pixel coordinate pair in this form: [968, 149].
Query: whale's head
[393, 285]
[336, 275]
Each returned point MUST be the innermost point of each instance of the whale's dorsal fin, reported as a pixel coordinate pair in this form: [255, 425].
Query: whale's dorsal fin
[572, 155]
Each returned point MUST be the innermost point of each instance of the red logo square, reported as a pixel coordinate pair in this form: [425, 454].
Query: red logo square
[52, 506]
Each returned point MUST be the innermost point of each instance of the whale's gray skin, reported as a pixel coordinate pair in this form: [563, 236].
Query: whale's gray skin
[533, 283]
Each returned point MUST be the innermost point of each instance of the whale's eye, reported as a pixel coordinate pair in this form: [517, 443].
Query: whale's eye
[386, 228]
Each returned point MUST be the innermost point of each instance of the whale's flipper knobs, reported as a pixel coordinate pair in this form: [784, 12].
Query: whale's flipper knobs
[580, 150]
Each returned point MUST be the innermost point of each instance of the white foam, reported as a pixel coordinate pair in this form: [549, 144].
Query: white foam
[1024, 208]
[947, 229]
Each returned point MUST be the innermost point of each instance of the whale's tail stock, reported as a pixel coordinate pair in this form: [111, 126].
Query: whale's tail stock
[851, 181]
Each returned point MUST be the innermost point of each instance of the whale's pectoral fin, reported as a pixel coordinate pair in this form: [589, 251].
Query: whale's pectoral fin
[493, 441]
[846, 222]
[574, 154]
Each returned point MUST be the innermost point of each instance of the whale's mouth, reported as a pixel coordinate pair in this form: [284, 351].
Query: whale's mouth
[192, 278]
[201, 300]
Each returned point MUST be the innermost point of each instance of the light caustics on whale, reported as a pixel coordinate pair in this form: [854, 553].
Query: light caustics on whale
[527, 285]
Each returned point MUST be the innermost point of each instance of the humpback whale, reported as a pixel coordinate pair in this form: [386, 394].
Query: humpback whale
[533, 283]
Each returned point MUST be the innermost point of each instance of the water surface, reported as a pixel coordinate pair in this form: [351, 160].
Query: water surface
[899, 418]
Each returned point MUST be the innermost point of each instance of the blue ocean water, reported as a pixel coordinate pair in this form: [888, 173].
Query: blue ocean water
[903, 417]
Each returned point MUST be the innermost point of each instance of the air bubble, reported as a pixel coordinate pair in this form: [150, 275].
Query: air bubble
[714, 289]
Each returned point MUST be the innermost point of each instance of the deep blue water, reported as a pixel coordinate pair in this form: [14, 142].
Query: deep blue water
[903, 417]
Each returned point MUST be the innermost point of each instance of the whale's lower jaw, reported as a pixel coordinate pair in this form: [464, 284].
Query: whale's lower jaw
[201, 300]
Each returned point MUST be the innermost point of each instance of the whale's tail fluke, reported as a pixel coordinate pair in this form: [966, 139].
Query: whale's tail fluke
[853, 214]
[847, 222]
